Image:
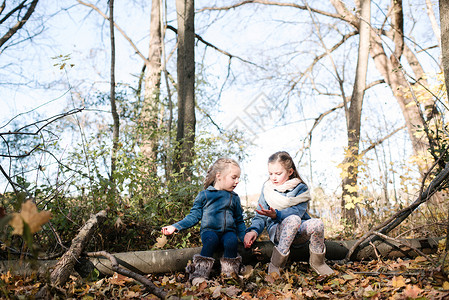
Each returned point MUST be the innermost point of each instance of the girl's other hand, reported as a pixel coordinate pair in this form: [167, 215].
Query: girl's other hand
[249, 239]
[167, 230]
[271, 212]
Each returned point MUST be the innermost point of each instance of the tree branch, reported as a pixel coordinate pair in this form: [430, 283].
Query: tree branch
[216, 48]
[386, 237]
[48, 120]
[272, 3]
[321, 56]
[142, 279]
[11, 12]
[118, 28]
[19, 23]
[324, 114]
[435, 185]
[2, 7]
[378, 142]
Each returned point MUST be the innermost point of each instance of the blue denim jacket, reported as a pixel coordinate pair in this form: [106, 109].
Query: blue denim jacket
[259, 222]
[218, 210]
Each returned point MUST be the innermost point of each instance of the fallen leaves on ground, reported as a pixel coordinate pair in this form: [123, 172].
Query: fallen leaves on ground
[391, 279]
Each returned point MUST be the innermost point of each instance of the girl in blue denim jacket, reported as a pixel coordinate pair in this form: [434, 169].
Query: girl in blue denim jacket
[283, 211]
[220, 212]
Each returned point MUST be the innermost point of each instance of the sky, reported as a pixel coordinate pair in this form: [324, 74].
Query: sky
[80, 35]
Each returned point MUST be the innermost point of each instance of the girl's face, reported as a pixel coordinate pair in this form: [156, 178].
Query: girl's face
[278, 173]
[228, 179]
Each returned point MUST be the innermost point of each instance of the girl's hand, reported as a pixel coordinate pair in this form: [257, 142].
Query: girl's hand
[167, 230]
[249, 239]
[271, 212]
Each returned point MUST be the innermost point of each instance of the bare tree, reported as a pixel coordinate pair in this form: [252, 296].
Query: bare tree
[444, 23]
[149, 119]
[185, 135]
[391, 70]
[353, 117]
[115, 116]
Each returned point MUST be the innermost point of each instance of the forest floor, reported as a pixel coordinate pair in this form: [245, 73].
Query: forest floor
[378, 279]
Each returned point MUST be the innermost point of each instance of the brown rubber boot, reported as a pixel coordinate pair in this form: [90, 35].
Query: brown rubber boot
[278, 261]
[231, 266]
[200, 267]
[318, 264]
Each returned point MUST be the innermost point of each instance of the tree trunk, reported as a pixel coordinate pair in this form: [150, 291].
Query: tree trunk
[149, 120]
[349, 184]
[115, 116]
[444, 23]
[66, 264]
[185, 135]
[433, 21]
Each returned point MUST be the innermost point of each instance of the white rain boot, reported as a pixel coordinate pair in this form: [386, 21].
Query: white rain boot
[318, 264]
[278, 261]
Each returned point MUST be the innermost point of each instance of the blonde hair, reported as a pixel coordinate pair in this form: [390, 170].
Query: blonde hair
[219, 166]
[286, 161]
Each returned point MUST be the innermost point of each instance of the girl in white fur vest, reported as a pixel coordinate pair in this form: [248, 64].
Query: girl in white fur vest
[283, 211]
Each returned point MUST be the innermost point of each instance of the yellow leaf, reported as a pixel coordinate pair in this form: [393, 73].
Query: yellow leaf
[446, 285]
[161, 241]
[349, 205]
[420, 259]
[30, 216]
[351, 188]
[398, 282]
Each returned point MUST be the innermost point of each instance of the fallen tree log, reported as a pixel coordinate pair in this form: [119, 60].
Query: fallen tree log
[175, 260]
[65, 266]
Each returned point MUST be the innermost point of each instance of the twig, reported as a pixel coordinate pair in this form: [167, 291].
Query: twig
[273, 3]
[140, 278]
[388, 273]
[217, 49]
[146, 61]
[375, 251]
[421, 226]
[48, 122]
[386, 237]
[19, 23]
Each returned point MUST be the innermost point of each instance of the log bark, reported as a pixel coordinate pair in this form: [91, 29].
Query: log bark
[175, 260]
[65, 266]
